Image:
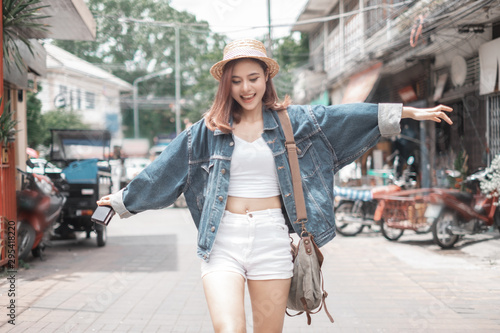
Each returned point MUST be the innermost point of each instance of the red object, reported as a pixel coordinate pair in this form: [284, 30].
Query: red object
[407, 94]
[8, 205]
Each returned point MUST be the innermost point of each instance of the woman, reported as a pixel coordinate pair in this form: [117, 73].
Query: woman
[233, 170]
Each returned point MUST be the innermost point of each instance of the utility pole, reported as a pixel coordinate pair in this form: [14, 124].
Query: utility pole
[177, 86]
[135, 91]
[269, 40]
[177, 82]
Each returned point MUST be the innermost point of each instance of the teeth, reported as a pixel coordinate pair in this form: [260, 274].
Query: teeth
[247, 97]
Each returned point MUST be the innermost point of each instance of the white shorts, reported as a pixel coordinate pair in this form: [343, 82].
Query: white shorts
[255, 245]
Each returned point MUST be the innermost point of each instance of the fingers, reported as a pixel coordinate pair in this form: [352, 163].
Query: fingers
[104, 201]
[440, 115]
[446, 118]
[442, 107]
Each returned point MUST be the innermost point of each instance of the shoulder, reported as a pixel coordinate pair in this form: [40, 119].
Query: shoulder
[303, 119]
[200, 138]
[199, 130]
[302, 113]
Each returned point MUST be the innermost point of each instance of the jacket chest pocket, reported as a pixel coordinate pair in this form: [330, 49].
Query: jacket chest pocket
[308, 160]
[205, 172]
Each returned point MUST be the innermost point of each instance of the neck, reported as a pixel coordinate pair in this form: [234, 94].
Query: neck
[252, 116]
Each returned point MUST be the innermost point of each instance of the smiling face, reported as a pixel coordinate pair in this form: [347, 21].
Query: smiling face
[248, 84]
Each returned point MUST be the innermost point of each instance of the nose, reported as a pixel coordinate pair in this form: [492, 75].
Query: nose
[245, 85]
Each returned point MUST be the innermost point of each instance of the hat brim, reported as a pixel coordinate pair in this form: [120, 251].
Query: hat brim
[218, 68]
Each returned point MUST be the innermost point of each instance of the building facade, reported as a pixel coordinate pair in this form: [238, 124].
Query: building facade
[419, 53]
[72, 84]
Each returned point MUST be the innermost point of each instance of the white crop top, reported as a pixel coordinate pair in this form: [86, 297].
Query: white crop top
[253, 171]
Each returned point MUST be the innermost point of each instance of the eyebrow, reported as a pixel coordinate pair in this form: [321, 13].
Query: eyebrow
[252, 74]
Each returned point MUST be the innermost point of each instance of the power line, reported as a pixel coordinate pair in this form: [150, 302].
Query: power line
[182, 25]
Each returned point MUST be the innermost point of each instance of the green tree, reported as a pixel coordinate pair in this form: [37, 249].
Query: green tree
[39, 124]
[290, 53]
[130, 49]
[36, 128]
[60, 119]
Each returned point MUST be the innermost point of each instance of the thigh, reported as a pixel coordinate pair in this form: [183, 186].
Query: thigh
[268, 304]
[225, 292]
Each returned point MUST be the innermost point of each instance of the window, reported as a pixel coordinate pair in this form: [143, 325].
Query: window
[350, 5]
[78, 99]
[332, 24]
[377, 18]
[494, 124]
[89, 100]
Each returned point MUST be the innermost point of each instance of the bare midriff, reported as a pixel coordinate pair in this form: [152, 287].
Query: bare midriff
[239, 205]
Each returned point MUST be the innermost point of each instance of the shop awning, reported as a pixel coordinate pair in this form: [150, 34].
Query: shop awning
[489, 59]
[68, 19]
[361, 84]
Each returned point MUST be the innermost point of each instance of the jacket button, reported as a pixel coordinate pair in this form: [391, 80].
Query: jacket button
[308, 250]
[221, 198]
[212, 229]
[306, 242]
[231, 143]
[223, 171]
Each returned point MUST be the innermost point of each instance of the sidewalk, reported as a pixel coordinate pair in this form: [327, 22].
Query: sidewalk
[147, 279]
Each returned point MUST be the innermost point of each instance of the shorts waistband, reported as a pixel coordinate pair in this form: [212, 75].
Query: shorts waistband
[272, 212]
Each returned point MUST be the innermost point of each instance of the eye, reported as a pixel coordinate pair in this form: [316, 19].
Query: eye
[236, 82]
[253, 80]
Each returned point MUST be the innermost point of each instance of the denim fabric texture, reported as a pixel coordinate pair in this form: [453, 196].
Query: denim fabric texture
[197, 163]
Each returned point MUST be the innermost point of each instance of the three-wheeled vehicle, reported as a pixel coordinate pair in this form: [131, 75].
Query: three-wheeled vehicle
[84, 157]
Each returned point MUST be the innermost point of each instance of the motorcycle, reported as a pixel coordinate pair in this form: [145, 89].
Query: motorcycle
[355, 209]
[40, 204]
[456, 213]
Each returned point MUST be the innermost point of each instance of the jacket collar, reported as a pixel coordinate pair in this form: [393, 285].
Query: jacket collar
[268, 116]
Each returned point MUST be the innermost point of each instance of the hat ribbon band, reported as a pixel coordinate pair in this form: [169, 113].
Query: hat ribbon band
[239, 53]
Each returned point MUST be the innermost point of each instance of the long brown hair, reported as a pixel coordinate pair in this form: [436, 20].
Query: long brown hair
[224, 104]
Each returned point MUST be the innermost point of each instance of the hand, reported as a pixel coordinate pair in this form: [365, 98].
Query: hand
[435, 114]
[104, 201]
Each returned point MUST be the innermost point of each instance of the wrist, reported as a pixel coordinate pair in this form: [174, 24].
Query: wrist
[407, 112]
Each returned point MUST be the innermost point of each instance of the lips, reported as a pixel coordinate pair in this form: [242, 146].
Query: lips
[248, 98]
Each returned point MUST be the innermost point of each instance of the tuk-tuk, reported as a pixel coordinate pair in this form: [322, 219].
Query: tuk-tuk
[84, 157]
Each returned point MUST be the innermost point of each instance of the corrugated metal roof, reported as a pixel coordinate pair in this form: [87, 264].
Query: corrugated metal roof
[68, 20]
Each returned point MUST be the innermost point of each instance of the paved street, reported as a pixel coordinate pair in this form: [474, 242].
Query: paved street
[146, 279]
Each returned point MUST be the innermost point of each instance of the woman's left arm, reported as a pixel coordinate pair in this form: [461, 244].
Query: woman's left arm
[436, 113]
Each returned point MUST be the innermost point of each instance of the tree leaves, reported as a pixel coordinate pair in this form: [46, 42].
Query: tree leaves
[19, 18]
[134, 38]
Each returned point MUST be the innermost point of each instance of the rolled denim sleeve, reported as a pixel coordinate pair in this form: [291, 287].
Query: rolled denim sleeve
[118, 205]
[352, 129]
[389, 117]
[159, 184]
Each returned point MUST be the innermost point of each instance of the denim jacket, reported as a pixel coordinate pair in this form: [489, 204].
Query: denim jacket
[198, 162]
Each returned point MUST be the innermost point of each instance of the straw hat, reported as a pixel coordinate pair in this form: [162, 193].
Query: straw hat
[244, 48]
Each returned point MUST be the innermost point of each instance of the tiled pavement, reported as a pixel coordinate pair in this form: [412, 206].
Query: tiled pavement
[146, 279]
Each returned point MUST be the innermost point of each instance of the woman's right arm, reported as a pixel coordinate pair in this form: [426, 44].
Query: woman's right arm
[158, 185]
